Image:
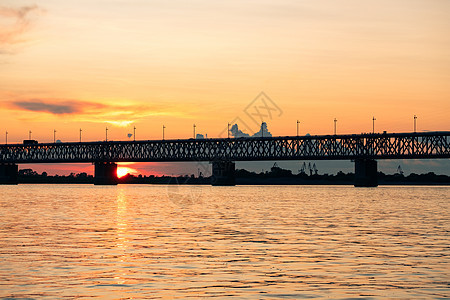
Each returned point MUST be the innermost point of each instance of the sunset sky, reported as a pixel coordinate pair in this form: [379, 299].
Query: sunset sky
[89, 64]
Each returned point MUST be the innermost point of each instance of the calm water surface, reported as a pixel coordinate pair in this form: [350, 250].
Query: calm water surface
[268, 242]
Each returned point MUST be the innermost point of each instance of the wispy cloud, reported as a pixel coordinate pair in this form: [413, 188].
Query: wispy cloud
[123, 123]
[37, 105]
[14, 22]
[86, 111]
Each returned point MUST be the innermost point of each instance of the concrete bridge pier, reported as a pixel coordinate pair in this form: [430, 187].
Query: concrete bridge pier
[366, 173]
[105, 173]
[8, 173]
[223, 173]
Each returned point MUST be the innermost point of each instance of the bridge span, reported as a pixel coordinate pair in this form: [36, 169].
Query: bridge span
[363, 149]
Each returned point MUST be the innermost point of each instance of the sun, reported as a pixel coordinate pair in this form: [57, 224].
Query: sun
[122, 171]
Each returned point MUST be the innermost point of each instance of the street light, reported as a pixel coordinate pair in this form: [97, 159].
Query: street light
[106, 131]
[335, 121]
[80, 135]
[415, 118]
[164, 127]
[194, 130]
[228, 130]
[134, 133]
[54, 135]
[298, 122]
[29, 135]
[6, 139]
[373, 124]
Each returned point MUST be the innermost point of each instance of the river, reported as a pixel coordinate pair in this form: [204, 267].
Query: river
[252, 242]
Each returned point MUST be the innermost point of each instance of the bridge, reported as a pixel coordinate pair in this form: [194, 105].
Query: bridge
[363, 149]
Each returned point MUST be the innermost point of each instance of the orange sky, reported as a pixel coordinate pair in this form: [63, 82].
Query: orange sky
[89, 64]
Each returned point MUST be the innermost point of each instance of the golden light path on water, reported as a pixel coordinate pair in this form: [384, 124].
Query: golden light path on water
[252, 242]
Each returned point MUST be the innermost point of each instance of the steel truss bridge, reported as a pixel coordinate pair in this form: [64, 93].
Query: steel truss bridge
[323, 147]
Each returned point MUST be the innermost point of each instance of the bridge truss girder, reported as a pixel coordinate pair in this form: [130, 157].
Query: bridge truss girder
[326, 147]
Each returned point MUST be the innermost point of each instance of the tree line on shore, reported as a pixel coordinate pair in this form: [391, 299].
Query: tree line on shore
[276, 175]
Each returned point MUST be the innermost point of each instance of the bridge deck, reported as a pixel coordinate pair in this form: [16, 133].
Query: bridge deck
[323, 147]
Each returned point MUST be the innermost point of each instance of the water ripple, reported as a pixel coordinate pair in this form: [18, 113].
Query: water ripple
[259, 242]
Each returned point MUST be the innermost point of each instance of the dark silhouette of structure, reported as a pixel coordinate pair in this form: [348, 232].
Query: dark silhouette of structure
[8, 173]
[276, 175]
[105, 173]
[364, 149]
[367, 172]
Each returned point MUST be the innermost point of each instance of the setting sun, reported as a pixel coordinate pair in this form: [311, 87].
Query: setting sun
[122, 171]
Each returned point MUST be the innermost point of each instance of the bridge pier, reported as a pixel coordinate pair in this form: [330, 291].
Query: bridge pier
[366, 173]
[8, 173]
[223, 173]
[105, 173]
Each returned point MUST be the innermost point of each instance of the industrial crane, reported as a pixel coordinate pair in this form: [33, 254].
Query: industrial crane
[399, 170]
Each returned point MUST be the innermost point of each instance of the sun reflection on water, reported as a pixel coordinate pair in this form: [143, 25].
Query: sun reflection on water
[122, 241]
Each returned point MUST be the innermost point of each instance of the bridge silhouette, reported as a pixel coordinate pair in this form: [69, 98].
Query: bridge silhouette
[363, 149]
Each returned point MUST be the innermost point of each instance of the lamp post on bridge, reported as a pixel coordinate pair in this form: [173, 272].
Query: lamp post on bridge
[6, 137]
[228, 132]
[194, 130]
[164, 127]
[80, 134]
[415, 118]
[134, 133]
[106, 132]
[373, 124]
[54, 135]
[298, 122]
[29, 134]
[335, 121]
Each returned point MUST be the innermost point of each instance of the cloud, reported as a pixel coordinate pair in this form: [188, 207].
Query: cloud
[87, 111]
[56, 108]
[237, 133]
[121, 123]
[14, 22]
[263, 131]
[40, 106]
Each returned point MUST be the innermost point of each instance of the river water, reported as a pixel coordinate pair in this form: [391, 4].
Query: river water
[252, 242]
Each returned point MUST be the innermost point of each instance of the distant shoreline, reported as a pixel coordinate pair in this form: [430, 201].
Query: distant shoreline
[277, 176]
